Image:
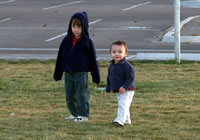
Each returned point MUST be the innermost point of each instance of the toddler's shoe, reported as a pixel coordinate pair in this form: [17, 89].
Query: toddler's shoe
[81, 119]
[70, 117]
[118, 124]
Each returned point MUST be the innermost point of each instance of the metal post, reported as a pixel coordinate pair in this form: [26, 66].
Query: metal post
[177, 30]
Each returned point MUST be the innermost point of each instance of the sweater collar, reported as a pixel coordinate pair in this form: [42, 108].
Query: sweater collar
[120, 62]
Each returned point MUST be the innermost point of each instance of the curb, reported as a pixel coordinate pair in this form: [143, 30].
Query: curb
[26, 57]
[167, 56]
[169, 36]
[190, 3]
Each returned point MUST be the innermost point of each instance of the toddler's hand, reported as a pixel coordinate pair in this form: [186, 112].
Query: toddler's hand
[122, 90]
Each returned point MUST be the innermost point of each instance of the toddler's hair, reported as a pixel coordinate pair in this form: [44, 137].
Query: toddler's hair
[76, 21]
[120, 43]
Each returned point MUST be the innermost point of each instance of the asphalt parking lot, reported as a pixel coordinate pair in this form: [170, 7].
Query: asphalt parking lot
[34, 29]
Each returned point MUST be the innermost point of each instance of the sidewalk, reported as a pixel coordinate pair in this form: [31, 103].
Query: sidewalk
[166, 56]
[190, 3]
[190, 33]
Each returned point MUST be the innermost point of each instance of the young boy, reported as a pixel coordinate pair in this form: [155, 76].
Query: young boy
[121, 80]
[76, 57]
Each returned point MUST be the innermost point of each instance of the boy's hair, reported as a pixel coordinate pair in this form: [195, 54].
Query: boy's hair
[120, 43]
[76, 21]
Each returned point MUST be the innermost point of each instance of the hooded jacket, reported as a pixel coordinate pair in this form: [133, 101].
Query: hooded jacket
[79, 58]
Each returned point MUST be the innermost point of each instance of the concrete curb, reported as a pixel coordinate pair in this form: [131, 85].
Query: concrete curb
[26, 57]
[190, 3]
[167, 56]
[169, 36]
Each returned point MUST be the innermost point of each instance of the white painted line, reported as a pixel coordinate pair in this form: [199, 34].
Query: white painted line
[63, 34]
[135, 27]
[100, 29]
[58, 36]
[62, 5]
[150, 50]
[28, 49]
[137, 50]
[98, 50]
[136, 6]
[27, 56]
[127, 29]
[3, 20]
[3, 2]
[31, 28]
[139, 56]
[40, 57]
[93, 22]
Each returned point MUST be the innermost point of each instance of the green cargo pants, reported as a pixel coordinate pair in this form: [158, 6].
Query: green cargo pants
[77, 93]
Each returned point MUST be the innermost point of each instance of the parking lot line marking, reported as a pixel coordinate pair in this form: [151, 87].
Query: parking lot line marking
[3, 20]
[136, 27]
[144, 50]
[98, 50]
[126, 29]
[134, 6]
[3, 2]
[58, 36]
[31, 28]
[28, 49]
[131, 28]
[93, 22]
[62, 5]
[63, 34]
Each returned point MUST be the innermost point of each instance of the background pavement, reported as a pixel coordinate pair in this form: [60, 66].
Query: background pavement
[34, 29]
[192, 28]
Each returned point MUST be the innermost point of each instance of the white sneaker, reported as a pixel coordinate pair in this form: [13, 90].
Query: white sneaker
[81, 119]
[70, 117]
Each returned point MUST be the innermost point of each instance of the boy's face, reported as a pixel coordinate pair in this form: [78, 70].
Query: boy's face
[77, 31]
[118, 52]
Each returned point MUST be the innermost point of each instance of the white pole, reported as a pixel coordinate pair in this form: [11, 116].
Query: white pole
[177, 30]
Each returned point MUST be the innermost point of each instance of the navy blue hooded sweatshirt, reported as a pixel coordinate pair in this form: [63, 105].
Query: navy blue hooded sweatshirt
[79, 58]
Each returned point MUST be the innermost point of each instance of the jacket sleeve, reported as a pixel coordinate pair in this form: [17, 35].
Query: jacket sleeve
[58, 72]
[130, 76]
[108, 83]
[93, 66]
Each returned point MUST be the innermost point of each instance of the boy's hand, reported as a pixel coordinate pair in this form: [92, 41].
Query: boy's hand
[122, 90]
[105, 94]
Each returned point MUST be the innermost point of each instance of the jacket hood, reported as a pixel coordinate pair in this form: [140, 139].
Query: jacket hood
[84, 21]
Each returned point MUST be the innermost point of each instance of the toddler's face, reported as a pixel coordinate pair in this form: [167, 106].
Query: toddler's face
[118, 52]
[77, 31]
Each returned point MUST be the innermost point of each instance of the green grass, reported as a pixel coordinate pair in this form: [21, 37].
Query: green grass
[166, 105]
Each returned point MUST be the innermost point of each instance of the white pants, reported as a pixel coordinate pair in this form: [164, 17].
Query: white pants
[123, 111]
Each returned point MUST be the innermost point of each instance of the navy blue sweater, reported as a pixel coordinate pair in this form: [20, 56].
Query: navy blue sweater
[121, 74]
[79, 58]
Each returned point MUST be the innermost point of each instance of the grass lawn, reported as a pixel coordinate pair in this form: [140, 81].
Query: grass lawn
[166, 104]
